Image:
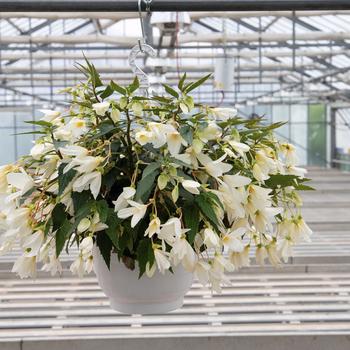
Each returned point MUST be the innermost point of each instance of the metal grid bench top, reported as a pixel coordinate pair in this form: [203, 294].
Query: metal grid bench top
[276, 303]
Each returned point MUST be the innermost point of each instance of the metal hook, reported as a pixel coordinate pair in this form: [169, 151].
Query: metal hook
[143, 48]
[148, 10]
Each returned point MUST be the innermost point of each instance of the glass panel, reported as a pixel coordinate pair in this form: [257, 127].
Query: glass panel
[7, 146]
[317, 135]
[280, 113]
[24, 142]
[298, 131]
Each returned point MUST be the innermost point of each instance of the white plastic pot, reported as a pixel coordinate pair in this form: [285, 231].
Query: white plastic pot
[131, 295]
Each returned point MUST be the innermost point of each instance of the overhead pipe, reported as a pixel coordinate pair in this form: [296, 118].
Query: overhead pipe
[245, 53]
[183, 39]
[171, 5]
[193, 15]
[187, 68]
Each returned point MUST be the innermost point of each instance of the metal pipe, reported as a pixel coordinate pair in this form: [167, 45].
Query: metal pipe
[171, 5]
[193, 15]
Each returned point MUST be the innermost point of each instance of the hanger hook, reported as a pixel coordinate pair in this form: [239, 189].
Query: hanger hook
[148, 10]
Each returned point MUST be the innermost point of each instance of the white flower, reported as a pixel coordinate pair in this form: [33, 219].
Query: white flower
[74, 151]
[233, 240]
[76, 127]
[115, 115]
[293, 170]
[211, 239]
[143, 137]
[122, 200]
[299, 230]
[174, 141]
[78, 266]
[236, 180]
[22, 181]
[214, 168]
[153, 227]
[240, 259]
[92, 180]
[84, 164]
[25, 266]
[40, 149]
[101, 108]
[137, 211]
[86, 246]
[170, 230]
[211, 132]
[83, 225]
[219, 265]
[201, 271]
[288, 150]
[285, 247]
[53, 265]
[159, 132]
[182, 251]
[162, 260]
[260, 255]
[239, 147]
[191, 186]
[89, 264]
[224, 113]
[49, 115]
[96, 224]
[33, 243]
[150, 270]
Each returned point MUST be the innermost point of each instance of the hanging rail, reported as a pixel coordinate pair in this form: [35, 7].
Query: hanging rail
[171, 5]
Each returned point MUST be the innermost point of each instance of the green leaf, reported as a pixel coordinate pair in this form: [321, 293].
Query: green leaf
[39, 123]
[196, 84]
[108, 91]
[80, 199]
[58, 215]
[64, 179]
[117, 88]
[279, 180]
[206, 207]
[35, 132]
[94, 75]
[146, 185]
[181, 82]
[187, 133]
[110, 178]
[134, 85]
[104, 128]
[145, 254]
[150, 168]
[113, 230]
[102, 209]
[62, 235]
[191, 218]
[170, 90]
[161, 99]
[105, 245]
[302, 187]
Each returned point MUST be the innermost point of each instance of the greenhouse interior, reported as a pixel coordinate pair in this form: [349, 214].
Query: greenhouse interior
[273, 76]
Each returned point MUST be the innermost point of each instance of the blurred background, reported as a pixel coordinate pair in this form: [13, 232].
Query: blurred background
[286, 66]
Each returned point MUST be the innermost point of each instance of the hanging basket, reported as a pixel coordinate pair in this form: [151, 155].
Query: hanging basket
[131, 295]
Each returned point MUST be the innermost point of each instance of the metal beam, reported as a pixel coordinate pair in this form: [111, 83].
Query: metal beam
[172, 5]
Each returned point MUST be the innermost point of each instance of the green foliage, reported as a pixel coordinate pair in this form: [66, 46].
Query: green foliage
[206, 206]
[144, 255]
[105, 245]
[147, 183]
[64, 179]
[118, 88]
[192, 219]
